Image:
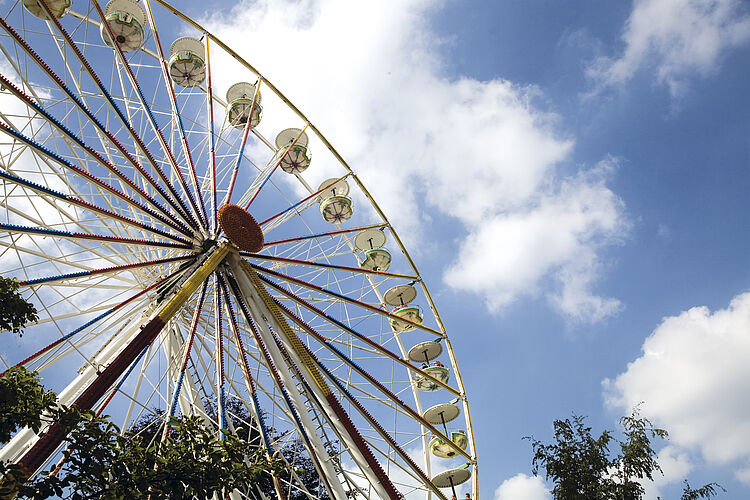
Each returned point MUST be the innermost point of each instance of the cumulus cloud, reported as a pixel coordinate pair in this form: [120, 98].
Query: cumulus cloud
[483, 155]
[522, 487]
[693, 377]
[558, 234]
[676, 38]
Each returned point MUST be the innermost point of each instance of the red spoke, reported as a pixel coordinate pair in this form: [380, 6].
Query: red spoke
[324, 291]
[76, 100]
[211, 138]
[90, 206]
[328, 266]
[175, 110]
[106, 270]
[11, 228]
[169, 219]
[322, 235]
[89, 323]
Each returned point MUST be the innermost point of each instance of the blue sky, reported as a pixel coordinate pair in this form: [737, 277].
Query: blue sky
[619, 146]
[572, 178]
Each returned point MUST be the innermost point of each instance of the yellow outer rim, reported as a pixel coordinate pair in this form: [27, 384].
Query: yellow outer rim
[322, 138]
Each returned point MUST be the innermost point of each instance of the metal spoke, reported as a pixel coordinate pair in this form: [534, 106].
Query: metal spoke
[116, 156]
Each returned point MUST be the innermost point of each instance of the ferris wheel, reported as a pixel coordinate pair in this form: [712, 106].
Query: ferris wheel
[188, 254]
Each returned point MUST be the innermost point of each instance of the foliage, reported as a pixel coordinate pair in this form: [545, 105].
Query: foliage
[150, 427]
[15, 311]
[23, 400]
[706, 491]
[305, 470]
[577, 463]
[189, 462]
[637, 460]
[583, 467]
[14, 479]
[102, 462]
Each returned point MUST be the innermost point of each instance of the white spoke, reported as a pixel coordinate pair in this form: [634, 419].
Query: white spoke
[116, 151]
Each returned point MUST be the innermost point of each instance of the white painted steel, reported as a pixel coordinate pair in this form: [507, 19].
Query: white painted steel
[66, 303]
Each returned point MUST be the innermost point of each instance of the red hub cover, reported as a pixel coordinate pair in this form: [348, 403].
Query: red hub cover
[241, 228]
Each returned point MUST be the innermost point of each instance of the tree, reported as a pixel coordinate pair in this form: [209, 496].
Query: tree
[304, 468]
[582, 467]
[150, 426]
[190, 462]
[705, 491]
[23, 400]
[102, 462]
[22, 397]
[15, 311]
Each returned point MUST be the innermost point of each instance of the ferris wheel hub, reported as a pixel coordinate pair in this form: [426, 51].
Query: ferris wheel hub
[241, 228]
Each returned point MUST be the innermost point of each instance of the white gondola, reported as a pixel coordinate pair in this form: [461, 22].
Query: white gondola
[400, 295]
[440, 415]
[336, 209]
[410, 313]
[441, 449]
[369, 239]
[335, 206]
[239, 103]
[294, 159]
[58, 8]
[377, 259]
[424, 352]
[435, 370]
[292, 151]
[127, 20]
[186, 65]
[333, 187]
[370, 242]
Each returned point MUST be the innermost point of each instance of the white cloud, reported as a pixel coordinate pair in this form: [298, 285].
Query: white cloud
[511, 253]
[693, 377]
[743, 475]
[675, 465]
[480, 153]
[522, 487]
[677, 38]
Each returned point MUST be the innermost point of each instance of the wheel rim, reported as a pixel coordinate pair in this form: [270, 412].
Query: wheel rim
[106, 223]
